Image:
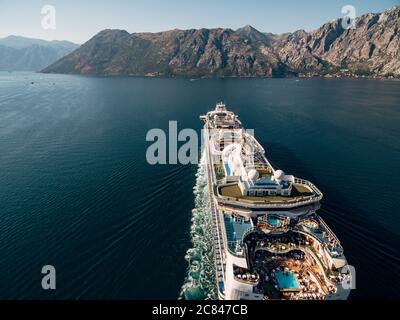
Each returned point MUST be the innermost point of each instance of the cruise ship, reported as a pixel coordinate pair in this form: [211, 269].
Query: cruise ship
[269, 241]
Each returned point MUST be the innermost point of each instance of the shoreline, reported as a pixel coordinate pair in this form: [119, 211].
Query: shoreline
[196, 78]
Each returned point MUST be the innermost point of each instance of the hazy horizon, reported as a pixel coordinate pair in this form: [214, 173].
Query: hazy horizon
[78, 22]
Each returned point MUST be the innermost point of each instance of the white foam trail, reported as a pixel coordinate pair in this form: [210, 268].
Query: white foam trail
[200, 280]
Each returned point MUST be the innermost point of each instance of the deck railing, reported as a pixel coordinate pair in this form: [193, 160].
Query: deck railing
[328, 230]
[269, 204]
[308, 184]
[289, 203]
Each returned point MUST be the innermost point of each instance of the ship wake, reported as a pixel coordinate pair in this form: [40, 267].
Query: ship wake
[200, 279]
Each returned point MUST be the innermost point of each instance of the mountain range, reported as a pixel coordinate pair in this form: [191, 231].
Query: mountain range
[26, 54]
[372, 48]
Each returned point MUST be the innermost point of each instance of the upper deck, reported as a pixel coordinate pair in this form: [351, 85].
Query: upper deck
[242, 174]
[221, 118]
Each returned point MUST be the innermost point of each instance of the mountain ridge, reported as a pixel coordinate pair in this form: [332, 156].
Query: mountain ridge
[29, 54]
[371, 49]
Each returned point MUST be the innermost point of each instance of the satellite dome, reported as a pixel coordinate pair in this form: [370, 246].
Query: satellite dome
[279, 175]
[253, 175]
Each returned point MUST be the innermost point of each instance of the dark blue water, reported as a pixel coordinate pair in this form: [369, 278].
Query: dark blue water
[76, 191]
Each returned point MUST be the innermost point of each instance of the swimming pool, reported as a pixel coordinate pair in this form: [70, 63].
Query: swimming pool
[227, 169]
[287, 281]
[274, 222]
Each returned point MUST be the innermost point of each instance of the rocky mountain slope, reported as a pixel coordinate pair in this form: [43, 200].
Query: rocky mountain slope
[26, 54]
[371, 49]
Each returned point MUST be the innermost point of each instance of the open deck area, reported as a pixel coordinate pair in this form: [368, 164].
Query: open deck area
[298, 192]
[235, 228]
[287, 266]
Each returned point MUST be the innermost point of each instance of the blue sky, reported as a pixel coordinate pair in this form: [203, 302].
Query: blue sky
[79, 20]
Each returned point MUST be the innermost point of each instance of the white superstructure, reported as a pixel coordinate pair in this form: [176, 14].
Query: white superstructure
[269, 241]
